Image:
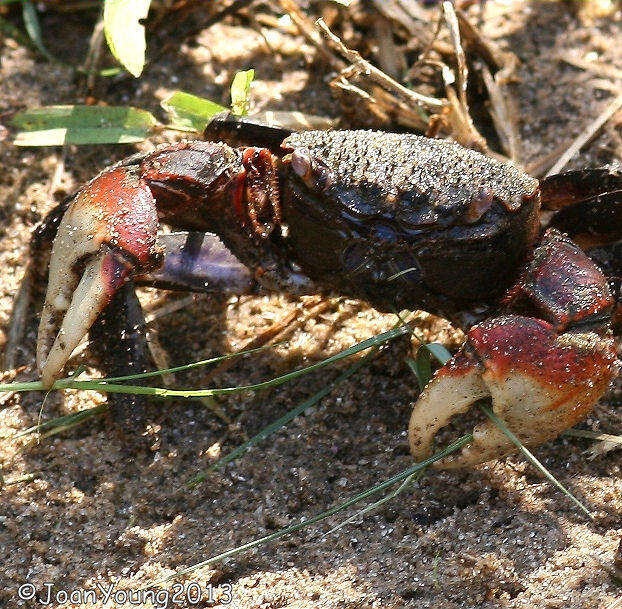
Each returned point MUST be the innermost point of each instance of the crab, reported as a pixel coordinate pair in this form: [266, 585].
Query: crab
[397, 220]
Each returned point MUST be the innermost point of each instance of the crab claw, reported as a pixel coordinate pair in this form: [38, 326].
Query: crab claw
[106, 235]
[540, 383]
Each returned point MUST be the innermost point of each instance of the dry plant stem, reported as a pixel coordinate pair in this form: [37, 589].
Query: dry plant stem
[458, 115]
[586, 135]
[503, 116]
[451, 20]
[378, 76]
[398, 11]
[594, 67]
[18, 318]
[408, 14]
[93, 56]
[307, 29]
[487, 50]
[503, 112]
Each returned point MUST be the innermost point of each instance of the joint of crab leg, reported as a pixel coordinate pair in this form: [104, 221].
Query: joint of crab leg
[540, 384]
[262, 191]
[107, 233]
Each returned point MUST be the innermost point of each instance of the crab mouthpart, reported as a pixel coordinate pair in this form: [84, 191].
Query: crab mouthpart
[540, 384]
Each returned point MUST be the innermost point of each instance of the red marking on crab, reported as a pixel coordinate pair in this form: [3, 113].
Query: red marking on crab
[123, 212]
[460, 364]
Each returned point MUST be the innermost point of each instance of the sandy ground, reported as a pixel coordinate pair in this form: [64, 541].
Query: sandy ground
[96, 511]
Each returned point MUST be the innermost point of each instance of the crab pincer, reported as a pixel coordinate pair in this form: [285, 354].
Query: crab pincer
[107, 234]
[543, 372]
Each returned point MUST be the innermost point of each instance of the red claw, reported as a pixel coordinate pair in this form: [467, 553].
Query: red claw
[543, 374]
[540, 384]
[107, 233]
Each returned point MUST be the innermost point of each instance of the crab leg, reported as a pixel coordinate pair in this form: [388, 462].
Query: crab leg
[198, 262]
[108, 235]
[588, 207]
[120, 336]
[543, 371]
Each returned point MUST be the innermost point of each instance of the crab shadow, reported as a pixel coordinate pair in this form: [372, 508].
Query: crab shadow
[350, 441]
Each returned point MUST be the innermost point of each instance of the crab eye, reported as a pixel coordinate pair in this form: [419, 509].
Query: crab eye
[478, 206]
[301, 163]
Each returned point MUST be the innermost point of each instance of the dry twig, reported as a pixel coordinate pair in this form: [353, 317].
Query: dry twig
[376, 75]
[586, 135]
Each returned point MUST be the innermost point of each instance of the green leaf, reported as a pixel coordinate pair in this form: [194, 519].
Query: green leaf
[57, 125]
[439, 352]
[422, 366]
[189, 112]
[124, 33]
[239, 92]
[31, 22]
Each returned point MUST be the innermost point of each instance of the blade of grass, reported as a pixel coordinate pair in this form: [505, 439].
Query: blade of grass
[102, 386]
[31, 23]
[422, 366]
[533, 460]
[189, 112]
[593, 435]
[280, 422]
[455, 446]
[376, 504]
[197, 364]
[79, 124]
[61, 423]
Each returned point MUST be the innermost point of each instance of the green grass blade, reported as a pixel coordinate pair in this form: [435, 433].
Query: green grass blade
[280, 422]
[190, 366]
[61, 423]
[440, 352]
[376, 504]
[455, 446]
[102, 386]
[31, 23]
[76, 124]
[534, 461]
[189, 112]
